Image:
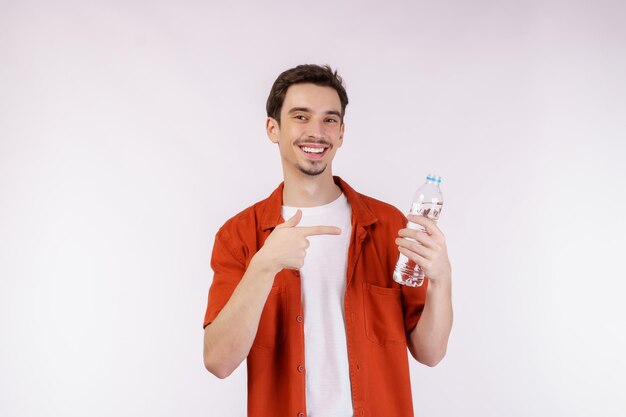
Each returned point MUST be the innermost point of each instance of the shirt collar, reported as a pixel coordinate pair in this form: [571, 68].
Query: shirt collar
[361, 213]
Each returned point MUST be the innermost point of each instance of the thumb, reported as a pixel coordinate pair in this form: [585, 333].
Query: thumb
[293, 221]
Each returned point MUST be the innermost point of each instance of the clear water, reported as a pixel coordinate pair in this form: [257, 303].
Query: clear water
[408, 272]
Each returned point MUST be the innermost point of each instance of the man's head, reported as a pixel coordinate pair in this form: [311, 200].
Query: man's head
[305, 119]
[322, 76]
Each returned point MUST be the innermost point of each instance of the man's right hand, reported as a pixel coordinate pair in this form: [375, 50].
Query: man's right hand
[228, 339]
[286, 246]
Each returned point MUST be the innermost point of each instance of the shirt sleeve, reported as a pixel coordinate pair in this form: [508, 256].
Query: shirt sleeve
[413, 301]
[228, 266]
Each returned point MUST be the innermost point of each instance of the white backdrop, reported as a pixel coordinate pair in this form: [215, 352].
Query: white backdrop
[131, 130]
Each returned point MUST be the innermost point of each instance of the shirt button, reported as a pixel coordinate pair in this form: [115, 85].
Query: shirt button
[300, 319]
[300, 368]
[297, 273]
[300, 414]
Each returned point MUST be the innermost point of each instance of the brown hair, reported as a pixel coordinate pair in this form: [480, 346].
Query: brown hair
[323, 76]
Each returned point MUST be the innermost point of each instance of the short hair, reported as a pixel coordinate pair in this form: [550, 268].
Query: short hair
[319, 75]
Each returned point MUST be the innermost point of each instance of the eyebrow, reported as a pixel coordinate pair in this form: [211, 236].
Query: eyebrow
[307, 110]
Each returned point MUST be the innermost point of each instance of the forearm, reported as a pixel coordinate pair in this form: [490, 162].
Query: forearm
[228, 339]
[429, 340]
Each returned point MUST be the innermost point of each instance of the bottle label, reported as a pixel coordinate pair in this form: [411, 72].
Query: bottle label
[431, 209]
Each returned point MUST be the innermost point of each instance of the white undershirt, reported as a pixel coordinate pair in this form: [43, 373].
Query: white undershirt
[323, 276]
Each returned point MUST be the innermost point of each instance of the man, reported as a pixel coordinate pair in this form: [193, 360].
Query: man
[310, 301]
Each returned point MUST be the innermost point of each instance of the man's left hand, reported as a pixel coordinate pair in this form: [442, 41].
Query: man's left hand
[428, 249]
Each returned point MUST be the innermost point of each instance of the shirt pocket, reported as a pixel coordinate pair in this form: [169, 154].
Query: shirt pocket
[384, 321]
[271, 331]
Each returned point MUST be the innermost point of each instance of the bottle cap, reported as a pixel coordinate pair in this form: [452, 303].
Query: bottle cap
[433, 178]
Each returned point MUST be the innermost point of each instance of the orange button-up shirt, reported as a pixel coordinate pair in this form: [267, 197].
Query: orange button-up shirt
[379, 313]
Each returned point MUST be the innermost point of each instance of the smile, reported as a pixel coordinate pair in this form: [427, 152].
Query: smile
[314, 151]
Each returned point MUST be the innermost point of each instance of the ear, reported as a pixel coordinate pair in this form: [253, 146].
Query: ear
[341, 130]
[272, 128]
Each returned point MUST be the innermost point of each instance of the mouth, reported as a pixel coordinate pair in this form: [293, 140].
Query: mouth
[314, 151]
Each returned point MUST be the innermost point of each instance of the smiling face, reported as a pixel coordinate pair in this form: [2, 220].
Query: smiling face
[310, 129]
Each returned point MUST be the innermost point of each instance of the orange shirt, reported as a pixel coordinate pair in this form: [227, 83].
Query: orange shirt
[379, 313]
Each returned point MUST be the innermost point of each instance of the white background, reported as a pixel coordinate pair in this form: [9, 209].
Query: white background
[131, 130]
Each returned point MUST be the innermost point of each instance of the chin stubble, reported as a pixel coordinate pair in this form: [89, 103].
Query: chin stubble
[311, 172]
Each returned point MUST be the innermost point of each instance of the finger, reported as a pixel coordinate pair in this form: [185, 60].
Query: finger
[429, 224]
[320, 230]
[415, 247]
[421, 237]
[418, 259]
[292, 221]
[296, 262]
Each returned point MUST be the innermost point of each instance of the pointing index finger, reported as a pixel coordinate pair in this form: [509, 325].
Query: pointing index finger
[319, 230]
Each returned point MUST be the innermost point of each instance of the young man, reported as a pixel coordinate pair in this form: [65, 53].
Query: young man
[310, 301]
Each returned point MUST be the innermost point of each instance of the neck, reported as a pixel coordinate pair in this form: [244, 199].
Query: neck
[303, 190]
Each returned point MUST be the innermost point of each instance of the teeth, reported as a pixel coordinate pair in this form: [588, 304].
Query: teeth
[312, 150]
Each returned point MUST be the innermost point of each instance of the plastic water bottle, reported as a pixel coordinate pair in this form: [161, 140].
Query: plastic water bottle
[427, 202]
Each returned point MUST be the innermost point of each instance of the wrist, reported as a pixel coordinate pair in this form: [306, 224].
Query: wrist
[441, 284]
[263, 266]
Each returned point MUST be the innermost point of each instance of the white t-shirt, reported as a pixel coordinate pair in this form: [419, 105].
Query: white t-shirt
[328, 392]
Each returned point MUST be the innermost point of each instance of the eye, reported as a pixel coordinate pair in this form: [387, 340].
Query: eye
[299, 117]
[332, 120]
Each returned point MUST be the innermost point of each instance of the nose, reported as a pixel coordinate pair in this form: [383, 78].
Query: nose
[316, 130]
